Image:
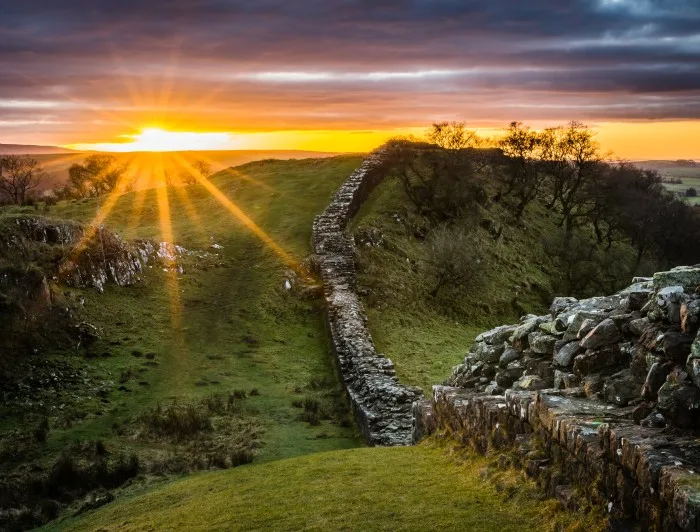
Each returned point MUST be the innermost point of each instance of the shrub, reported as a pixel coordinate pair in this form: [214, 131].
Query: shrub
[454, 257]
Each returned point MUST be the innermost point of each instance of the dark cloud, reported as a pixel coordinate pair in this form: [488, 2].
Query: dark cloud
[599, 59]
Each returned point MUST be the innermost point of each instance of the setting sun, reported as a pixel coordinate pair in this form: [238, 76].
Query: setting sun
[157, 139]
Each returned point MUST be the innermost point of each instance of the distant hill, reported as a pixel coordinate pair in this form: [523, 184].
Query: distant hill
[26, 149]
[663, 164]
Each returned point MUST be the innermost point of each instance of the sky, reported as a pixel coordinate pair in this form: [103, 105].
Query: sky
[343, 75]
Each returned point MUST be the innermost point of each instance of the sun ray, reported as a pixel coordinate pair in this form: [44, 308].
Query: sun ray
[242, 217]
[103, 211]
[169, 258]
[234, 172]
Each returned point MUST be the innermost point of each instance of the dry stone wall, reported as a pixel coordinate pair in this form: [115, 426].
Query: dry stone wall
[599, 397]
[382, 406]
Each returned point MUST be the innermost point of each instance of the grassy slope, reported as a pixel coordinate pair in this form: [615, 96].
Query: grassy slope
[359, 489]
[426, 337]
[239, 328]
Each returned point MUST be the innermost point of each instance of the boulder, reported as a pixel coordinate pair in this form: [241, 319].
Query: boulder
[595, 361]
[564, 380]
[586, 327]
[532, 383]
[541, 344]
[605, 333]
[560, 304]
[666, 305]
[521, 333]
[638, 326]
[676, 346]
[690, 316]
[498, 335]
[509, 355]
[621, 390]
[680, 404]
[637, 299]
[506, 377]
[655, 379]
[487, 353]
[687, 277]
[564, 357]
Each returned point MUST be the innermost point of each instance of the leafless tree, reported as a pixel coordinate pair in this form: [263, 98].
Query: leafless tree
[198, 167]
[19, 175]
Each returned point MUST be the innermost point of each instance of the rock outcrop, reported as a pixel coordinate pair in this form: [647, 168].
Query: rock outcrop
[381, 405]
[601, 395]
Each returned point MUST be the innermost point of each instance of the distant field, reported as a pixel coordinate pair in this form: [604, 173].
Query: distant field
[689, 175]
[143, 165]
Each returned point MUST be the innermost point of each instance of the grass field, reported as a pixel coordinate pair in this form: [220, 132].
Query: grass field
[689, 175]
[360, 489]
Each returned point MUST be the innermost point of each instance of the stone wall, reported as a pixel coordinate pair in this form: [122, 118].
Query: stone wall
[381, 405]
[600, 397]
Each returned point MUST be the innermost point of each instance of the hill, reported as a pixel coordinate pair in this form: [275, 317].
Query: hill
[26, 149]
[220, 339]
[399, 488]
[145, 169]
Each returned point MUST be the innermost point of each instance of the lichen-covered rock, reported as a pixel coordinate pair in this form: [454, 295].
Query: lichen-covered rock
[686, 277]
[498, 335]
[564, 357]
[605, 333]
[541, 344]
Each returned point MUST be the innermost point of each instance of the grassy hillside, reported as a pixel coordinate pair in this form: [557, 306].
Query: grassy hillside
[426, 336]
[145, 167]
[191, 341]
[359, 489]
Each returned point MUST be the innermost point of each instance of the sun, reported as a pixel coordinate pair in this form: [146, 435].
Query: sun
[156, 139]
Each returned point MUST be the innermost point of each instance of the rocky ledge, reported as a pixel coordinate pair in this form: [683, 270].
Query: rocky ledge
[598, 398]
[381, 405]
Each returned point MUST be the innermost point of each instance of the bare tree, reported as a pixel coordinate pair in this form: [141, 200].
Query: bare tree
[198, 167]
[523, 176]
[99, 174]
[452, 136]
[19, 175]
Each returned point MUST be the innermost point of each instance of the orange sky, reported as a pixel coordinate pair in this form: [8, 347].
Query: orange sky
[346, 75]
[625, 140]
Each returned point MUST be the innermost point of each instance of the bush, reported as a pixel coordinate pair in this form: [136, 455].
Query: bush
[691, 193]
[455, 258]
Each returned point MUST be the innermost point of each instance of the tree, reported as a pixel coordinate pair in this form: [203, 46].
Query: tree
[571, 157]
[198, 167]
[523, 175]
[441, 184]
[452, 136]
[99, 174]
[691, 193]
[19, 175]
[455, 258]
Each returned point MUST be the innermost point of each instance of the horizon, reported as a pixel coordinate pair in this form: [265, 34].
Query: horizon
[345, 77]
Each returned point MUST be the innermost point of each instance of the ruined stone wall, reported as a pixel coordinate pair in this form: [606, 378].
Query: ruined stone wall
[598, 398]
[381, 405]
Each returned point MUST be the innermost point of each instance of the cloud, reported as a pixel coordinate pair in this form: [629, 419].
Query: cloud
[344, 63]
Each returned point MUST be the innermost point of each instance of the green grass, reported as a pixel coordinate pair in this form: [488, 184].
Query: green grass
[216, 328]
[689, 175]
[426, 337]
[359, 489]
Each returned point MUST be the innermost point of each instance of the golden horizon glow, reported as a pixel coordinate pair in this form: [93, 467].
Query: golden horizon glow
[625, 140]
[156, 139]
